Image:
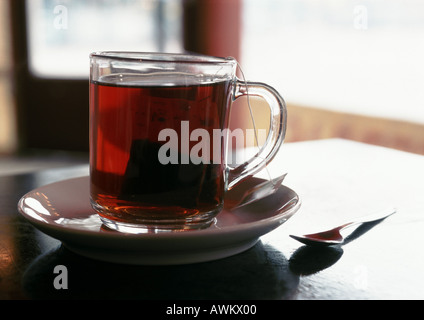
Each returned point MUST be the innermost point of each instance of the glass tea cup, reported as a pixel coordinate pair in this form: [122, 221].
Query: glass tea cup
[159, 135]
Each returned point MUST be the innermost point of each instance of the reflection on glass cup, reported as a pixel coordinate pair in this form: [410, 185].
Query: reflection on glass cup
[158, 138]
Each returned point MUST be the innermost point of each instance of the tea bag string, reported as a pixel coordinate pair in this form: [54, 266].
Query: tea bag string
[253, 121]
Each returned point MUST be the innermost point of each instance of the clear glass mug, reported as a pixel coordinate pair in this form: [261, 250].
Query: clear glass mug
[158, 138]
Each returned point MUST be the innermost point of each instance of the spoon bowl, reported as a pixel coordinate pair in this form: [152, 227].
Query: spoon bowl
[334, 236]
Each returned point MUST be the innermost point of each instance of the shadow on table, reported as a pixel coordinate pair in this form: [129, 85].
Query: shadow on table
[261, 272]
[309, 260]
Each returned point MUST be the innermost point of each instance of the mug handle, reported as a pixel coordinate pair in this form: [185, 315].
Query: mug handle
[276, 135]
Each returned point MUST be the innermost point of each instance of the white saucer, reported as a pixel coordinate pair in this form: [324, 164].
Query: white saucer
[63, 211]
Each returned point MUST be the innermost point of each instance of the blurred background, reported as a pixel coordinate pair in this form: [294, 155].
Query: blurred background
[349, 69]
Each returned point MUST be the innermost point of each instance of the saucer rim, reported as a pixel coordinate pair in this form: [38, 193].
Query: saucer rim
[284, 213]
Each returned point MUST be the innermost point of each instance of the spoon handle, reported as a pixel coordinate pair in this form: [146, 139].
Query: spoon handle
[379, 215]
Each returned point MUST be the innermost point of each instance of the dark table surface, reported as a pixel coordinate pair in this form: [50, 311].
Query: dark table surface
[337, 180]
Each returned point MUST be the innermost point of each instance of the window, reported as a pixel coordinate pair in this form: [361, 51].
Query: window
[52, 40]
[361, 57]
[62, 33]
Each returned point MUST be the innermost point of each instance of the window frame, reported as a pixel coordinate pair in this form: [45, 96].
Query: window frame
[52, 113]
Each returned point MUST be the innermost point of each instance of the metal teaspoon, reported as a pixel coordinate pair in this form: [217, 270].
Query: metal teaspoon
[334, 236]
